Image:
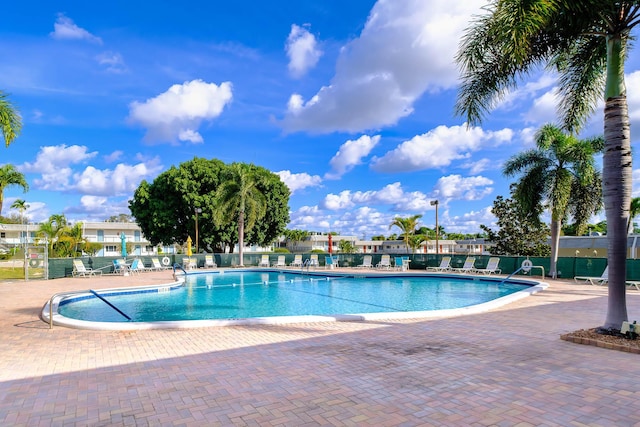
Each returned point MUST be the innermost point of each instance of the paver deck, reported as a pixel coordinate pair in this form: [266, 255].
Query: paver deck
[506, 367]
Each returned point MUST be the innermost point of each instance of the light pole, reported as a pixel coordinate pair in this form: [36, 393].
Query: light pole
[198, 210]
[435, 203]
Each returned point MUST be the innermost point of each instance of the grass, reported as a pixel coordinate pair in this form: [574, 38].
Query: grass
[11, 273]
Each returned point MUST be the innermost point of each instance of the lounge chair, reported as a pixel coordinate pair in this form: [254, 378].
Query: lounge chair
[491, 268]
[137, 266]
[398, 263]
[329, 262]
[366, 262]
[280, 262]
[264, 262]
[120, 266]
[209, 262]
[297, 261]
[189, 263]
[79, 270]
[467, 267]
[313, 260]
[445, 265]
[633, 284]
[594, 280]
[157, 265]
[385, 262]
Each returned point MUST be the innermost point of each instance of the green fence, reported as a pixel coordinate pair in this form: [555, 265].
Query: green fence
[568, 267]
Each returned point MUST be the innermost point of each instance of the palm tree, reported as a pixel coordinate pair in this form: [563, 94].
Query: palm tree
[238, 197]
[10, 120]
[550, 172]
[415, 240]
[52, 229]
[633, 212]
[72, 238]
[21, 206]
[586, 42]
[407, 226]
[10, 176]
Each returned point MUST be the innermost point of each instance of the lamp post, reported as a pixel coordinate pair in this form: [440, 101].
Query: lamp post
[435, 203]
[198, 210]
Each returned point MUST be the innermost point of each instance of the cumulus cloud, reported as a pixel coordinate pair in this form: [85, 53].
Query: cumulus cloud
[53, 163]
[391, 194]
[438, 148]
[461, 188]
[65, 29]
[176, 114]
[393, 62]
[122, 180]
[298, 181]
[302, 50]
[351, 154]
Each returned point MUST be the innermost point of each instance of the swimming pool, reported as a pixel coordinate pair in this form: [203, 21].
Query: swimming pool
[271, 296]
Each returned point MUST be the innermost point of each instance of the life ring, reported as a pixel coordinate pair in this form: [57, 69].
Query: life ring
[526, 265]
[166, 261]
[34, 263]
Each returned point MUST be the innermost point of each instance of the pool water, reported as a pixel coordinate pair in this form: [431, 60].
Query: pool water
[251, 294]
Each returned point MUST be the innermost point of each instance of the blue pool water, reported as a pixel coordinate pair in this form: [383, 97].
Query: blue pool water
[252, 294]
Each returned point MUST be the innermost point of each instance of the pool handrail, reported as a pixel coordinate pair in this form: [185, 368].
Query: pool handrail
[59, 294]
[109, 304]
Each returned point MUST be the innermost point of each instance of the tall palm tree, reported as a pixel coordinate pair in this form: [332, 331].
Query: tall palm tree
[21, 206]
[550, 172]
[52, 229]
[586, 42]
[10, 176]
[238, 198]
[407, 225]
[10, 120]
[633, 212]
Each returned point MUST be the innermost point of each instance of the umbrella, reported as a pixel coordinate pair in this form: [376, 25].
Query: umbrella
[188, 245]
[123, 244]
[330, 244]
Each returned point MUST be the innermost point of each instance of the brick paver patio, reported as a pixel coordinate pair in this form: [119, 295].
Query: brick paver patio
[507, 367]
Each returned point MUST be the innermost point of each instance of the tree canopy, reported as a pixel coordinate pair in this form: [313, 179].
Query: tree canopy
[10, 120]
[165, 208]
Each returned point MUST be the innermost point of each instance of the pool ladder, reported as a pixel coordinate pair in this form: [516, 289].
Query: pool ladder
[306, 263]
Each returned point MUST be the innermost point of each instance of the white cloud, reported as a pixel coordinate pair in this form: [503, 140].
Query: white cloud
[391, 194]
[477, 166]
[123, 180]
[65, 29]
[350, 154]
[544, 109]
[176, 114]
[407, 47]
[113, 157]
[438, 148]
[53, 162]
[298, 181]
[302, 51]
[461, 188]
[112, 61]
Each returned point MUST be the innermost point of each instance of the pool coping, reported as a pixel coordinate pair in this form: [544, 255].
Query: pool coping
[60, 320]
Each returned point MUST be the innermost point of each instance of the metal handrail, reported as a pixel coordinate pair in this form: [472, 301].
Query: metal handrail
[59, 294]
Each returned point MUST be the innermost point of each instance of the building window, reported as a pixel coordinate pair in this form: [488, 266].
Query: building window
[110, 248]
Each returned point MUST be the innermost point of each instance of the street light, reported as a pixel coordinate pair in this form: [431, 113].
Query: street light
[435, 203]
[198, 210]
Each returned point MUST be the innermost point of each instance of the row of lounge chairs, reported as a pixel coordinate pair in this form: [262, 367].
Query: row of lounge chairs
[603, 280]
[468, 266]
[121, 266]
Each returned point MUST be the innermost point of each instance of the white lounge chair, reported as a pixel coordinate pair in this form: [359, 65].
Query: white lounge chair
[209, 262]
[445, 265]
[366, 262]
[264, 261]
[79, 270]
[594, 280]
[385, 262]
[280, 261]
[297, 261]
[467, 267]
[157, 265]
[491, 268]
[313, 260]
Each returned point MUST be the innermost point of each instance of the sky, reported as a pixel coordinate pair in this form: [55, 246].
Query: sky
[351, 103]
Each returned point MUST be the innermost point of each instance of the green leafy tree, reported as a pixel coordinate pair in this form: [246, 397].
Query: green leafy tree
[239, 199]
[379, 237]
[50, 231]
[551, 173]
[120, 218]
[415, 240]
[518, 233]
[587, 44]
[633, 212]
[165, 208]
[71, 241]
[21, 206]
[10, 176]
[10, 120]
[407, 225]
[295, 237]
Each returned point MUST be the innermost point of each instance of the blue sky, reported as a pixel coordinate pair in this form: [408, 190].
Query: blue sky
[350, 102]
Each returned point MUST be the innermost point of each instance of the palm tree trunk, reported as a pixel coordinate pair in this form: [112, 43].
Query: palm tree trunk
[617, 168]
[241, 236]
[555, 243]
